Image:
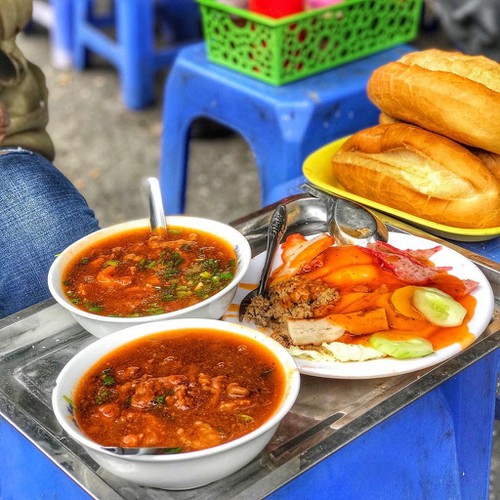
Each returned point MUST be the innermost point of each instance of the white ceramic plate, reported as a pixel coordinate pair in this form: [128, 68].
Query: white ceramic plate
[387, 367]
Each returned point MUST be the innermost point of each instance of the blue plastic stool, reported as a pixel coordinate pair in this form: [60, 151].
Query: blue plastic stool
[134, 52]
[282, 125]
[57, 17]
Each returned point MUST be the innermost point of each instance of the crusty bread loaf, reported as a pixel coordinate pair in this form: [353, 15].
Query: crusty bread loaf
[422, 173]
[450, 93]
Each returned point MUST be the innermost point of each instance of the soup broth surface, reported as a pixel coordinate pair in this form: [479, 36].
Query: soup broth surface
[184, 391]
[138, 273]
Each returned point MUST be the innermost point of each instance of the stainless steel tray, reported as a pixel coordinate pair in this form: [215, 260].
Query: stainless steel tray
[35, 345]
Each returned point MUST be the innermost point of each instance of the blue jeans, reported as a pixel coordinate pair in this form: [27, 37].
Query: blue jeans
[41, 213]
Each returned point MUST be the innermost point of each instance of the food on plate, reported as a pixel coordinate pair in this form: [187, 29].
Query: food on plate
[375, 301]
[438, 307]
[182, 390]
[452, 94]
[312, 331]
[419, 172]
[401, 349]
[293, 298]
[138, 273]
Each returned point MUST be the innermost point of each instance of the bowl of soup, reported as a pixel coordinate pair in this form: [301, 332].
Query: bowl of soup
[206, 395]
[126, 274]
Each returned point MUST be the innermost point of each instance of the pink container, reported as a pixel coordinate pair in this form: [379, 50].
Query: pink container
[276, 8]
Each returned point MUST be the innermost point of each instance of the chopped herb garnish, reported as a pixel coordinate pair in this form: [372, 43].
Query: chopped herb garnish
[153, 311]
[102, 396]
[168, 451]
[94, 307]
[107, 378]
[245, 418]
[70, 402]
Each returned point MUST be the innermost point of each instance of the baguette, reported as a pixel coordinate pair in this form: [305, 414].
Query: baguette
[449, 93]
[421, 173]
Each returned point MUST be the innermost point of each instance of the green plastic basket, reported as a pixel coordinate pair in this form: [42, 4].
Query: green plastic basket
[279, 51]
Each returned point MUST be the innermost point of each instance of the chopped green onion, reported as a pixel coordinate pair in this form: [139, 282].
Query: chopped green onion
[245, 418]
[70, 402]
[94, 308]
[107, 378]
[168, 451]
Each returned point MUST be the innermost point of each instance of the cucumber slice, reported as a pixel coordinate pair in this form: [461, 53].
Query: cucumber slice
[416, 347]
[438, 307]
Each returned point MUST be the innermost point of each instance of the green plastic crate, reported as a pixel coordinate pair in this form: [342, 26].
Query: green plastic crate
[279, 51]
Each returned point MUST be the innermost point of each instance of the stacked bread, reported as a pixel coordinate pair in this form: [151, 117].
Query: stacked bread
[436, 152]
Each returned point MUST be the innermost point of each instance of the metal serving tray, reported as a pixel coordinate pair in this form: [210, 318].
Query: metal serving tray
[36, 344]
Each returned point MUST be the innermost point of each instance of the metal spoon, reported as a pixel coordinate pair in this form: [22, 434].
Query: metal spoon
[275, 232]
[353, 224]
[156, 215]
[349, 222]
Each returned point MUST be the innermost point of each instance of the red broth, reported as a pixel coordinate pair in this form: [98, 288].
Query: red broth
[184, 391]
[137, 273]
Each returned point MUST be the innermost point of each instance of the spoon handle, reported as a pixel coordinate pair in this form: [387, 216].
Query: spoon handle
[275, 232]
[156, 214]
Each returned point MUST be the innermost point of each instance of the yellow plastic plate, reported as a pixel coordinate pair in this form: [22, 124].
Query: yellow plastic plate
[317, 170]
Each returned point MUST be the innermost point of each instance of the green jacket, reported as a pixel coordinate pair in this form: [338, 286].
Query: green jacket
[23, 93]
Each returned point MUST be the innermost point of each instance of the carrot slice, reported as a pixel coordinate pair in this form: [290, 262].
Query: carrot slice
[299, 256]
[362, 322]
[400, 322]
[351, 276]
[348, 299]
[339, 257]
[368, 300]
[401, 299]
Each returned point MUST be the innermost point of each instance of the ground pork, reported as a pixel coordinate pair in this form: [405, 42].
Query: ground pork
[296, 298]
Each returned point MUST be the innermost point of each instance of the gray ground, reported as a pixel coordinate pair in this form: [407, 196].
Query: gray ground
[105, 150]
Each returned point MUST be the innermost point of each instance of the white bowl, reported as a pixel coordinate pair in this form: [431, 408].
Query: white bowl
[213, 307]
[183, 470]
